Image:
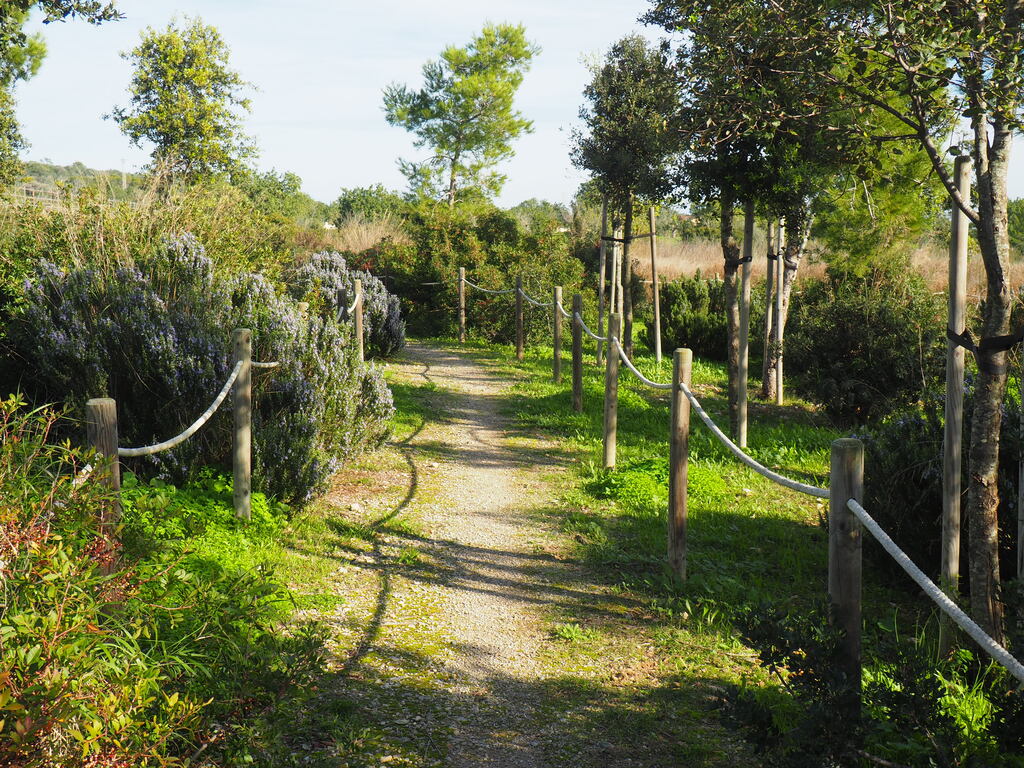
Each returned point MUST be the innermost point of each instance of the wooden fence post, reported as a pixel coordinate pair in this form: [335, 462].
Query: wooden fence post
[602, 283]
[359, 319]
[780, 274]
[577, 353]
[611, 391]
[242, 406]
[679, 452]
[744, 362]
[953, 437]
[556, 344]
[462, 305]
[656, 291]
[844, 557]
[519, 317]
[101, 432]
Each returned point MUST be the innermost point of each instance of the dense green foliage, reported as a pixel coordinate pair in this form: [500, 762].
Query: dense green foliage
[864, 347]
[692, 316]
[463, 113]
[493, 248]
[903, 477]
[155, 335]
[369, 203]
[630, 134]
[326, 282]
[176, 648]
[185, 101]
[920, 710]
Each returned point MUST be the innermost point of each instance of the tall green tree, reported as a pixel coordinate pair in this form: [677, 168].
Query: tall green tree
[185, 101]
[929, 64]
[629, 138]
[464, 113]
[22, 54]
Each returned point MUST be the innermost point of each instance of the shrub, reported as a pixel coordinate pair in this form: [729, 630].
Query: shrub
[328, 284]
[903, 478]
[142, 666]
[919, 710]
[865, 347]
[693, 316]
[493, 248]
[155, 335]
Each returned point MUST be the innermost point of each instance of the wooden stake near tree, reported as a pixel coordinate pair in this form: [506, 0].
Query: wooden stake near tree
[679, 452]
[744, 330]
[602, 283]
[577, 353]
[462, 305]
[768, 382]
[556, 345]
[519, 318]
[611, 392]
[780, 266]
[627, 282]
[656, 288]
[952, 444]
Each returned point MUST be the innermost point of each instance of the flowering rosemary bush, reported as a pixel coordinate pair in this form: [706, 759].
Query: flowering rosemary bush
[327, 282]
[156, 336]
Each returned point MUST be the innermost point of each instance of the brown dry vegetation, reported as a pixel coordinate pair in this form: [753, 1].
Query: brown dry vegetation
[357, 233]
[678, 258]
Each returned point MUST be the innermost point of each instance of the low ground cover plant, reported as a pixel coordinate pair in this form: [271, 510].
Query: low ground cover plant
[177, 648]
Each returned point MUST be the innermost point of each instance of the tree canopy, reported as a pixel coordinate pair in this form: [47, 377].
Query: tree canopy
[464, 113]
[185, 101]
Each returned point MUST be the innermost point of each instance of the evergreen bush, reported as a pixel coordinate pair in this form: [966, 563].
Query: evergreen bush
[156, 336]
[328, 284]
[864, 347]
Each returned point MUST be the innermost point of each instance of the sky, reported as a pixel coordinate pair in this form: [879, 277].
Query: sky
[320, 67]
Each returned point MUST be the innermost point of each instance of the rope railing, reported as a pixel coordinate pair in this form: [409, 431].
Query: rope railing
[487, 290]
[586, 329]
[535, 302]
[102, 430]
[563, 310]
[951, 609]
[149, 450]
[738, 452]
[633, 368]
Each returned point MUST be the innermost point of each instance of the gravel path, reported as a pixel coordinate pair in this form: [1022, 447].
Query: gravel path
[486, 535]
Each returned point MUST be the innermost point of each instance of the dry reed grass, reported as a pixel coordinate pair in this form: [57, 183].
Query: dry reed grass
[683, 258]
[357, 233]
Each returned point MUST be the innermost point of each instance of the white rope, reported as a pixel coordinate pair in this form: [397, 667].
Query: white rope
[352, 309]
[487, 290]
[255, 364]
[954, 612]
[534, 301]
[749, 460]
[629, 364]
[562, 310]
[151, 449]
[589, 332]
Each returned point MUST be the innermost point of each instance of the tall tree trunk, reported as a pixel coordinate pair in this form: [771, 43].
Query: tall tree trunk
[731, 255]
[627, 281]
[991, 163]
[768, 382]
[798, 223]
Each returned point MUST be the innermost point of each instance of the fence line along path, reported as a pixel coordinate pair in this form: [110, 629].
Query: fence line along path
[847, 517]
